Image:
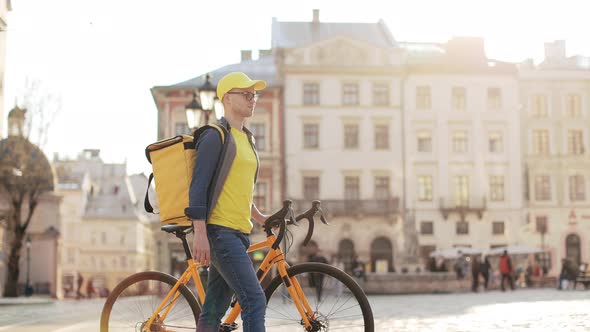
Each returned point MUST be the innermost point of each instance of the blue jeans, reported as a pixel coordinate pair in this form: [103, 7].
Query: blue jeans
[230, 272]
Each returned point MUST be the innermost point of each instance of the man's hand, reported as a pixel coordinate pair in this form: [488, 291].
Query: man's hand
[201, 250]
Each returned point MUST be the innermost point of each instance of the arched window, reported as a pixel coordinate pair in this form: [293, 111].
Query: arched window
[572, 249]
[346, 253]
[381, 255]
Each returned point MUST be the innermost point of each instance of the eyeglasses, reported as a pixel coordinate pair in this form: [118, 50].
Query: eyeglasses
[249, 95]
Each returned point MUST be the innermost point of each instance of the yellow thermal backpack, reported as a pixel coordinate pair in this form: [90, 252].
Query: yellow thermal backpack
[173, 161]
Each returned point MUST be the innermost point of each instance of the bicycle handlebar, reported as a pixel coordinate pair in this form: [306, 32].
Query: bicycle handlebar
[286, 216]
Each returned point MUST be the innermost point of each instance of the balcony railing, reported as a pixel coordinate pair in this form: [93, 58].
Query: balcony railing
[463, 208]
[345, 207]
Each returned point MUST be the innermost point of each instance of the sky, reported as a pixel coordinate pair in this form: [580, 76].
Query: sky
[101, 57]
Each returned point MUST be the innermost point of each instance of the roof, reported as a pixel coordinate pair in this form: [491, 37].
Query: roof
[260, 69]
[297, 34]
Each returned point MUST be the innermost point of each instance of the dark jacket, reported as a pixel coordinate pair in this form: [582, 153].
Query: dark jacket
[214, 161]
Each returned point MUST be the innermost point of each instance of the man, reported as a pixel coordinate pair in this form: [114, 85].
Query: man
[506, 270]
[221, 207]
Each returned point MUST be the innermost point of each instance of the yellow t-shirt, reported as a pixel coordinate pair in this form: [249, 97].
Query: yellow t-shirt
[233, 208]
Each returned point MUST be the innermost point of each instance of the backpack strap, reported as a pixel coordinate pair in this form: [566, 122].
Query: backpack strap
[146, 202]
[221, 130]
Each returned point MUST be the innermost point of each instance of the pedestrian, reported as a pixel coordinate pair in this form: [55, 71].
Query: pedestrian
[358, 269]
[432, 264]
[475, 269]
[317, 279]
[89, 288]
[221, 208]
[80, 281]
[485, 269]
[506, 270]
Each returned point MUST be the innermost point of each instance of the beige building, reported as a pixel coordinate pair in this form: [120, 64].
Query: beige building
[106, 234]
[343, 125]
[556, 160]
[463, 157]
[4, 9]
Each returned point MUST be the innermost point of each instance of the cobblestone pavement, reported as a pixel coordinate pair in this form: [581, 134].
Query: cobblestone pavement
[522, 310]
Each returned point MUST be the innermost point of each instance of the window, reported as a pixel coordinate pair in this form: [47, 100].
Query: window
[351, 136]
[311, 138]
[577, 188]
[381, 137]
[259, 132]
[426, 228]
[496, 143]
[575, 142]
[573, 105]
[380, 94]
[542, 188]
[458, 99]
[350, 94]
[494, 98]
[496, 188]
[260, 195]
[311, 187]
[424, 141]
[423, 100]
[181, 128]
[352, 188]
[459, 142]
[498, 228]
[541, 142]
[103, 237]
[539, 105]
[541, 224]
[311, 94]
[425, 188]
[381, 187]
[461, 190]
[462, 228]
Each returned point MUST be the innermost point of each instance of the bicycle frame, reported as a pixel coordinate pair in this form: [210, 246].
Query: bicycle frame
[274, 256]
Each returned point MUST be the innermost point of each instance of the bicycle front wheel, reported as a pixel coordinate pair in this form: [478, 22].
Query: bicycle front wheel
[136, 298]
[337, 301]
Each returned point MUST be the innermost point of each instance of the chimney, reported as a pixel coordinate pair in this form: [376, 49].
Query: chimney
[555, 50]
[264, 53]
[246, 55]
[316, 16]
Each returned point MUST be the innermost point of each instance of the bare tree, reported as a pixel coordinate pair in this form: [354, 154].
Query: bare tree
[25, 175]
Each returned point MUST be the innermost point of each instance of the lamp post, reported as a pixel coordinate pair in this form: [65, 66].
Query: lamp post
[199, 111]
[28, 288]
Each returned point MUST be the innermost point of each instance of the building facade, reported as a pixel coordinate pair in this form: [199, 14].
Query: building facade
[5, 7]
[463, 156]
[106, 234]
[556, 163]
[266, 125]
[343, 127]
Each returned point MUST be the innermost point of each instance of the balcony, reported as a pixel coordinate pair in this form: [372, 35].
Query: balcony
[352, 208]
[463, 208]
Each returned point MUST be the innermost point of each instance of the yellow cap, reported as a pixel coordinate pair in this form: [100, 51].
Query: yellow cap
[237, 79]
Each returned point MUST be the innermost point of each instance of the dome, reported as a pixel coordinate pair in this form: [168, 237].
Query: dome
[23, 165]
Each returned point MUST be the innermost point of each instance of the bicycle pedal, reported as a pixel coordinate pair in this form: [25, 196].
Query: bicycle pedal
[228, 327]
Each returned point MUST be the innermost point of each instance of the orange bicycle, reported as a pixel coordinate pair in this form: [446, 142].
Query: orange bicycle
[303, 297]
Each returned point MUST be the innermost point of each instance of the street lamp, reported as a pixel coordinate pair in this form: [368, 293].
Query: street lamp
[198, 111]
[28, 288]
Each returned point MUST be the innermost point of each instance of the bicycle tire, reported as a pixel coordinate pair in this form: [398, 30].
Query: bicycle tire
[132, 294]
[329, 277]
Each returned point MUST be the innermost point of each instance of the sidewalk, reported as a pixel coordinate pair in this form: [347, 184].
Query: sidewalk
[26, 300]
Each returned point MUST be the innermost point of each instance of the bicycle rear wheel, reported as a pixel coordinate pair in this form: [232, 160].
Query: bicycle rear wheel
[338, 302]
[135, 299]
